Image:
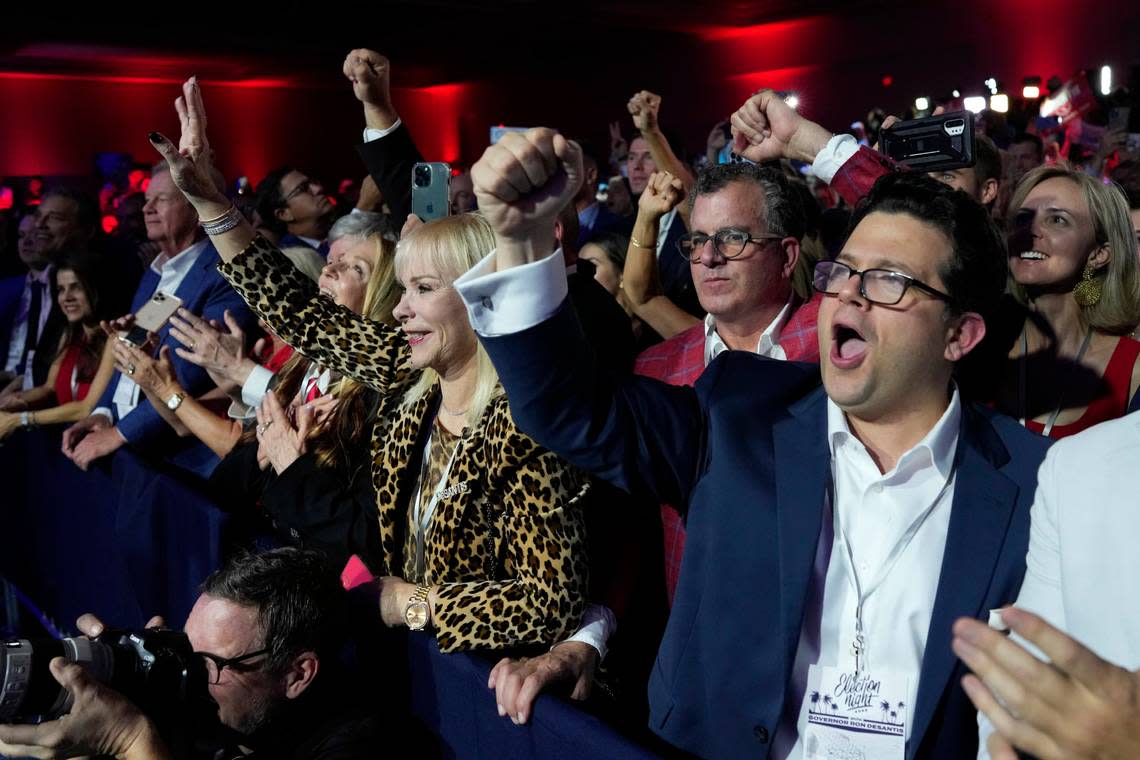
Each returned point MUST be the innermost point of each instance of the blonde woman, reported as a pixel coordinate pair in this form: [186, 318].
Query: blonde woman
[482, 530]
[1072, 260]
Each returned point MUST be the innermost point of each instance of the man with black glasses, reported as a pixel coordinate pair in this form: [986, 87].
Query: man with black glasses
[269, 628]
[834, 532]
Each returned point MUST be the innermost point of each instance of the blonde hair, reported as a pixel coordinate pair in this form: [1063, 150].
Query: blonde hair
[1118, 310]
[452, 245]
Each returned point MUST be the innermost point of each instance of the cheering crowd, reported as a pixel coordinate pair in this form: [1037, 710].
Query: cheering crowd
[755, 449]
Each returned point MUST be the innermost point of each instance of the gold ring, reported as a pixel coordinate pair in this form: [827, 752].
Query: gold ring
[130, 369]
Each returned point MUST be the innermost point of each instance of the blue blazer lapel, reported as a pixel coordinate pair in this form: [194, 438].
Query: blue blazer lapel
[802, 467]
[984, 502]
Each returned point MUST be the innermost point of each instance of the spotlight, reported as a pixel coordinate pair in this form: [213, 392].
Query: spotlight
[1031, 92]
[999, 102]
[921, 104]
[1105, 80]
[956, 94]
[975, 103]
[991, 83]
[792, 100]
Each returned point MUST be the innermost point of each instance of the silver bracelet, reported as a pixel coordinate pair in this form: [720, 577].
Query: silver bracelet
[26, 420]
[224, 223]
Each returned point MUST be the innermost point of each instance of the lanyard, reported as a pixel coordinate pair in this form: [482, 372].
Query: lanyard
[423, 520]
[1023, 397]
[863, 592]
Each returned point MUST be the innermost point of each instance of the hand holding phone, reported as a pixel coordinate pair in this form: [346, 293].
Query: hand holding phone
[151, 317]
[933, 143]
[431, 190]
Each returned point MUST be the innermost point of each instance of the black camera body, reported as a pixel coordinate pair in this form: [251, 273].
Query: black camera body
[156, 669]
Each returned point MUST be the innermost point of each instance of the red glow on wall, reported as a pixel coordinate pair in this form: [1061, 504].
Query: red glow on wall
[433, 115]
[757, 33]
[888, 80]
[279, 82]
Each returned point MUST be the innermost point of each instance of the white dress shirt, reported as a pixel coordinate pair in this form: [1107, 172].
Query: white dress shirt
[768, 345]
[171, 271]
[875, 511]
[872, 509]
[19, 335]
[1082, 544]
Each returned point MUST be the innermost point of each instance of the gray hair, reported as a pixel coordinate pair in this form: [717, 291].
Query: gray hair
[784, 211]
[361, 224]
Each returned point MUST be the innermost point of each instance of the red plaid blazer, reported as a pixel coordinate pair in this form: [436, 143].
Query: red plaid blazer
[680, 361]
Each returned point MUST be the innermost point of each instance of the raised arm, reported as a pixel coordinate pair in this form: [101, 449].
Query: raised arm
[287, 300]
[640, 278]
[644, 108]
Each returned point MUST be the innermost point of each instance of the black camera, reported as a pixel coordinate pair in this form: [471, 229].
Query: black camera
[156, 669]
[422, 175]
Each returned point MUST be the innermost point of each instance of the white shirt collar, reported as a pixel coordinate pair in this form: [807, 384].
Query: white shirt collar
[311, 242]
[937, 447]
[769, 339]
[43, 276]
[179, 264]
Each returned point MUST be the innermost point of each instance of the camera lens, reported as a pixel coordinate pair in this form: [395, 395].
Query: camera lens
[423, 176]
[27, 687]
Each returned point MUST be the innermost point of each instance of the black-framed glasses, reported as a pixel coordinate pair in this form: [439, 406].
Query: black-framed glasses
[306, 186]
[727, 241]
[215, 664]
[881, 286]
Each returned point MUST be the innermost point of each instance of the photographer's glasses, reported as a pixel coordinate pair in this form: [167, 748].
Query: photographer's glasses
[881, 286]
[215, 664]
[728, 242]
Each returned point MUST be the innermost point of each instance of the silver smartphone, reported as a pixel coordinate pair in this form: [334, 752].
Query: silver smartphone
[431, 185]
[151, 317]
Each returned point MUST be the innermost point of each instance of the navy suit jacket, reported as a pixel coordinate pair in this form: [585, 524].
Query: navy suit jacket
[205, 293]
[675, 273]
[745, 455]
[11, 288]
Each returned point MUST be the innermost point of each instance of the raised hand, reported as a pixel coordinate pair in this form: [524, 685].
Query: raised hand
[140, 366]
[370, 75]
[220, 352]
[662, 194]
[522, 183]
[643, 106]
[191, 161]
[1076, 706]
[766, 128]
[280, 442]
[619, 148]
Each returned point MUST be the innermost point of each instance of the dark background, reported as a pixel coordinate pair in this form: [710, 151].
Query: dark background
[74, 82]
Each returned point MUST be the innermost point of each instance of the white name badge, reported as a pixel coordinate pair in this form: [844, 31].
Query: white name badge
[851, 717]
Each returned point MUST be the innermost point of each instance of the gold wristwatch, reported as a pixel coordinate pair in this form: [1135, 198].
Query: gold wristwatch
[175, 401]
[417, 613]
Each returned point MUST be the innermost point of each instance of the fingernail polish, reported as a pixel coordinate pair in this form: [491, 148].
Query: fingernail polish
[154, 137]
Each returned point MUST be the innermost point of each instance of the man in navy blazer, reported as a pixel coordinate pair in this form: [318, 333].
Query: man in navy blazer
[793, 493]
[186, 268]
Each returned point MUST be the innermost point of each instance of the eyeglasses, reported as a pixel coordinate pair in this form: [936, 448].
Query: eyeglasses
[306, 185]
[728, 242]
[215, 664]
[881, 286]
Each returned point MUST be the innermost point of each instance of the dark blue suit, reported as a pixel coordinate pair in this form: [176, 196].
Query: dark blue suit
[205, 293]
[11, 289]
[745, 455]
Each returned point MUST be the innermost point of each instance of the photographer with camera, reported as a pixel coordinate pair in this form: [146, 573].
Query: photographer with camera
[264, 638]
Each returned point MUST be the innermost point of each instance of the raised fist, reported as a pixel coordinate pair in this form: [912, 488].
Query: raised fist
[369, 73]
[524, 181]
[766, 128]
[662, 194]
[644, 107]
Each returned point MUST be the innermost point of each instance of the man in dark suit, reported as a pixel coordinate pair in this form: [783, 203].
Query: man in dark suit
[186, 268]
[835, 532]
[294, 206]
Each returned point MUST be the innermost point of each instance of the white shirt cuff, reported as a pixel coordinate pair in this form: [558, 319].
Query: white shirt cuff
[371, 134]
[597, 626]
[516, 299]
[255, 387]
[240, 412]
[105, 411]
[836, 153]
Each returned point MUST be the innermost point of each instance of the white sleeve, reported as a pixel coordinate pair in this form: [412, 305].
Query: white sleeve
[371, 134]
[105, 411]
[502, 303]
[255, 387]
[836, 153]
[597, 626]
[1041, 590]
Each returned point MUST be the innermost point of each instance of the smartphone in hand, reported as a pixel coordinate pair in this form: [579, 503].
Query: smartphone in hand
[431, 184]
[932, 143]
[151, 317]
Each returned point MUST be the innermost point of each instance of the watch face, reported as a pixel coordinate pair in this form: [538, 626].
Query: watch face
[174, 402]
[416, 615]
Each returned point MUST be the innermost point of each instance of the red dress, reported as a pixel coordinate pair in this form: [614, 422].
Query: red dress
[1112, 403]
[63, 393]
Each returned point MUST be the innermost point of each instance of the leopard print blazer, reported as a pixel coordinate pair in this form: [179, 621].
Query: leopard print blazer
[511, 507]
